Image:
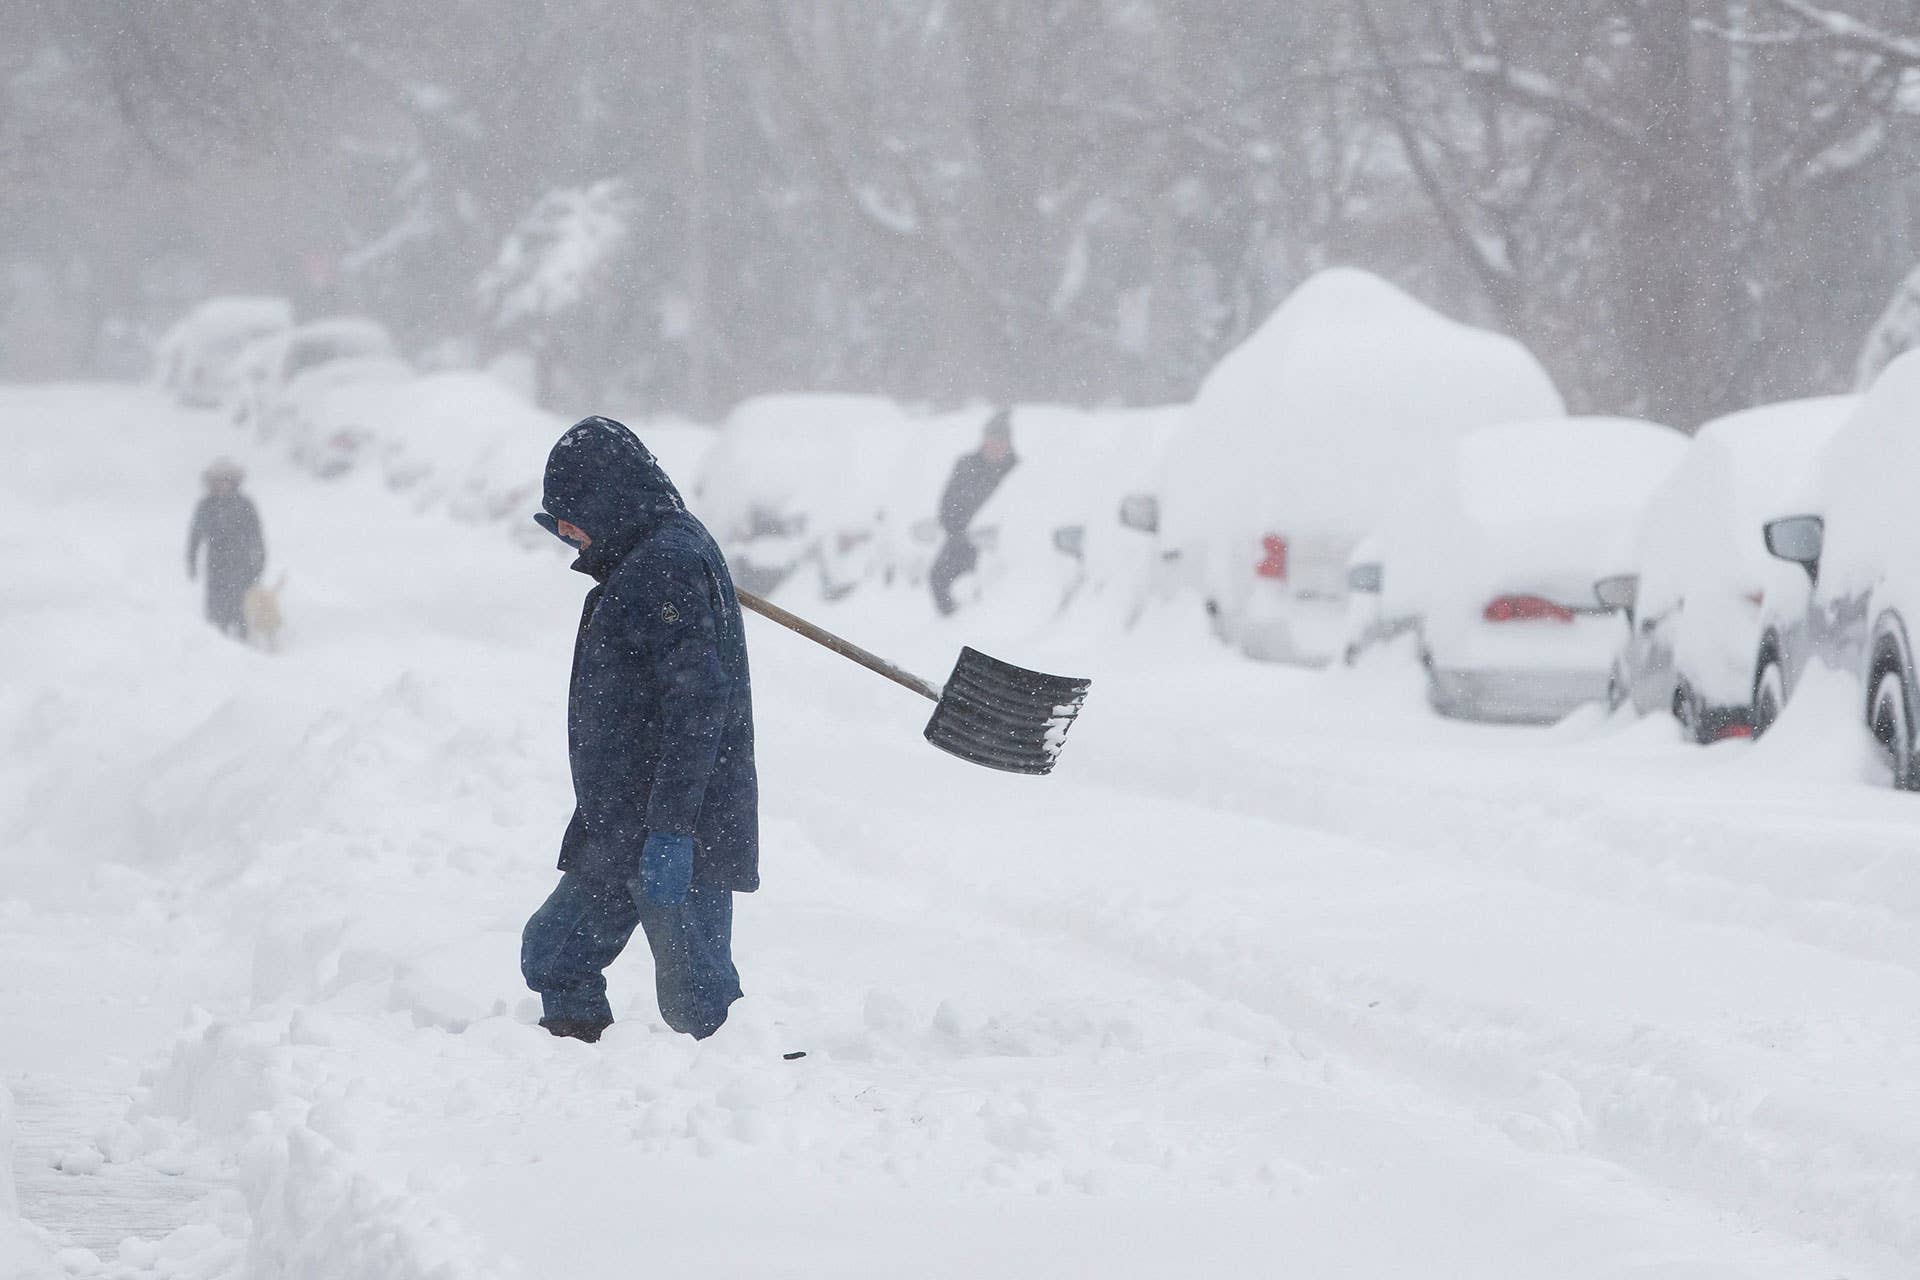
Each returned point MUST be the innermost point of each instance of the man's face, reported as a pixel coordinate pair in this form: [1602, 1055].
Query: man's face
[222, 484]
[575, 534]
[995, 447]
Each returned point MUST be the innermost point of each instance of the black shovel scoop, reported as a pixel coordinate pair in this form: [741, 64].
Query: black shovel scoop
[990, 713]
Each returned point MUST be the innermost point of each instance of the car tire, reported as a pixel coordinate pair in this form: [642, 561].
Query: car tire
[1893, 727]
[1769, 696]
[1691, 715]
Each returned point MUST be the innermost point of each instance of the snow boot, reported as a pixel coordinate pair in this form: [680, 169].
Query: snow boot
[578, 1028]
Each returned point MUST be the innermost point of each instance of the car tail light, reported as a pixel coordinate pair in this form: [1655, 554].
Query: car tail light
[1735, 731]
[1756, 598]
[1274, 566]
[1526, 609]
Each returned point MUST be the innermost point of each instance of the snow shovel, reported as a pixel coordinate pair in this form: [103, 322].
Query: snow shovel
[990, 713]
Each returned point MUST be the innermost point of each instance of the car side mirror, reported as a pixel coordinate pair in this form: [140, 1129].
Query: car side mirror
[1798, 539]
[1365, 579]
[1619, 593]
[1140, 511]
[1071, 540]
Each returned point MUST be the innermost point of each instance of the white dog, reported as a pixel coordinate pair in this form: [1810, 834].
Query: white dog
[261, 607]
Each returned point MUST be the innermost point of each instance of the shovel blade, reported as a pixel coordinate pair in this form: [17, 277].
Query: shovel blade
[1004, 717]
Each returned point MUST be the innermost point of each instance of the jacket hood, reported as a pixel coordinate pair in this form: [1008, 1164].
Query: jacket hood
[601, 478]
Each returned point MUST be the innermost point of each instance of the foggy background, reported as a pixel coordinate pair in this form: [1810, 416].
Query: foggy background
[1683, 208]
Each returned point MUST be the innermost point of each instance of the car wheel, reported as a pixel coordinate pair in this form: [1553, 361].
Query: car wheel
[1894, 728]
[1769, 696]
[1686, 709]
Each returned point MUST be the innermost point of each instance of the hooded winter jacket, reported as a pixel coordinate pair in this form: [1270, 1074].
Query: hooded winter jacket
[660, 710]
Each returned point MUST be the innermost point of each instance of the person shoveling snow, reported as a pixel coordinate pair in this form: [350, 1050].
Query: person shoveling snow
[660, 740]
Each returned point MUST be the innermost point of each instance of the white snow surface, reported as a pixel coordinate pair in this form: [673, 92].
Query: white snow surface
[1278, 975]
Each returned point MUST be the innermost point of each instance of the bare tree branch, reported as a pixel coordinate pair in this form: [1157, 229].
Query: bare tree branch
[1849, 32]
[1496, 278]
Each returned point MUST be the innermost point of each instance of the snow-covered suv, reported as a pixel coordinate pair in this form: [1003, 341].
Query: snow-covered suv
[1855, 606]
[1701, 569]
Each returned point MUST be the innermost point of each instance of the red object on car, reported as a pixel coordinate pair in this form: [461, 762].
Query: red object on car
[1526, 609]
[1275, 564]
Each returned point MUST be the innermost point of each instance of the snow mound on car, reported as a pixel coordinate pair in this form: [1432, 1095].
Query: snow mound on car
[1344, 402]
[1867, 514]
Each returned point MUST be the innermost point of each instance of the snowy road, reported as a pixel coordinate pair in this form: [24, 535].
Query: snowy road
[1279, 975]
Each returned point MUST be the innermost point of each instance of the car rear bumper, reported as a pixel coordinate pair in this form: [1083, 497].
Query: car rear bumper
[1514, 695]
[1310, 633]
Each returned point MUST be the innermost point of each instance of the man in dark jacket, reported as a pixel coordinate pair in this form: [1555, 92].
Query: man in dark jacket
[665, 828]
[975, 476]
[227, 522]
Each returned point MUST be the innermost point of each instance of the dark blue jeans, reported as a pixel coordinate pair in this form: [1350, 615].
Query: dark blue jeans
[584, 925]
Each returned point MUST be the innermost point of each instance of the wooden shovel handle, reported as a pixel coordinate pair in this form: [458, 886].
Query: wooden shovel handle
[846, 649]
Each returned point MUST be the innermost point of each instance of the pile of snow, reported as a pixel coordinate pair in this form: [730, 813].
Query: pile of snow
[1699, 541]
[1341, 408]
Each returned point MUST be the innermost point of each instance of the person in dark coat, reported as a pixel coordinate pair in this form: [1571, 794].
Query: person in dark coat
[975, 476]
[665, 828]
[228, 524]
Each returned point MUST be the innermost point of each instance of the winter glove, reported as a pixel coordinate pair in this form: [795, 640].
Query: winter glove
[666, 868]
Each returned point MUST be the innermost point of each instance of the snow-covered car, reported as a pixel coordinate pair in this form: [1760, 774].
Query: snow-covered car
[1058, 543]
[325, 432]
[1700, 568]
[461, 440]
[797, 479]
[267, 367]
[194, 360]
[1535, 514]
[1314, 432]
[1860, 566]
[1374, 615]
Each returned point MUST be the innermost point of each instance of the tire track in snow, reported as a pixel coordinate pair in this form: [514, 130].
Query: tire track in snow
[1847, 886]
[1649, 1101]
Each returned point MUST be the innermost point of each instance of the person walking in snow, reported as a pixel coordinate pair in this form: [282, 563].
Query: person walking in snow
[975, 476]
[228, 524]
[665, 828]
